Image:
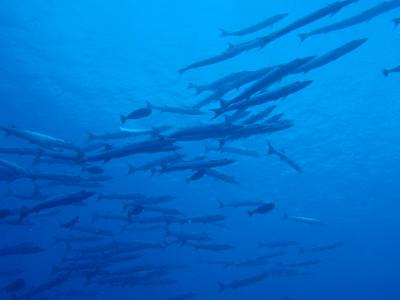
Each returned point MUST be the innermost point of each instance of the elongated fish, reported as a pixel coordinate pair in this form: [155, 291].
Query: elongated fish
[306, 220]
[323, 247]
[365, 16]
[284, 157]
[386, 72]
[256, 27]
[234, 50]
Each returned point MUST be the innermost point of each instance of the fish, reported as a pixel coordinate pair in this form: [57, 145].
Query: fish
[240, 203]
[196, 176]
[207, 219]
[396, 22]
[183, 237]
[256, 27]
[284, 157]
[125, 133]
[94, 231]
[196, 165]
[240, 283]
[258, 261]
[156, 163]
[364, 16]
[77, 239]
[183, 110]
[71, 223]
[15, 286]
[259, 116]
[21, 249]
[260, 42]
[263, 98]
[56, 201]
[10, 171]
[163, 210]
[262, 209]
[150, 146]
[233, 150]
[93, 170]
[39, 289]
[39, 139]
[300, 264]
[211, 247]
[323, 247]
[306, 220]
[137, 114]
[220, 83]
[220, 176]
[386, 72]
[272, 77]
[278, 244]
[332, 55]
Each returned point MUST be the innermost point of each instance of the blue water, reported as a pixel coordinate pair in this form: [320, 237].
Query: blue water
[73, 67]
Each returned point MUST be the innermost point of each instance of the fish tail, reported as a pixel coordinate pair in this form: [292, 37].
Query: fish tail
[90, 136]
[250, 213]
[385, 72]
[223, 32]
[220, 204]
[123, 119]
[271, 149]
[131, 170]
[195, 87]
[303, 36]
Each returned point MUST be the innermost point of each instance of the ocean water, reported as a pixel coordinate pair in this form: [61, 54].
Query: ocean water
[70, 68]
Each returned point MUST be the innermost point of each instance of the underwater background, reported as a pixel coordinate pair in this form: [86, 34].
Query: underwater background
[69, 68]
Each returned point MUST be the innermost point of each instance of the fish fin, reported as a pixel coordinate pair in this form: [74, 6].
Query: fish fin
[131, 170]
[197, 88]
[90, 137]
[223, 32]
[149, 105]
[181, 71]
[303, 36]
[271, 149]
[106, 146]
[385, 72]
[123, 119]
[230, 46]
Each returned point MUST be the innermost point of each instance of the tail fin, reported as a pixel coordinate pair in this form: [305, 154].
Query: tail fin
[149, 105]
[131, 170]
[396, 22]
[24, 213]
[220, 204]
[385, 72]
[221, 287]
[303, 36]
[181, 71]
[123, 119]
[90, 136]
[271, 149]
[223, 32]
[250, 213]
[99, 196]
[197, 88]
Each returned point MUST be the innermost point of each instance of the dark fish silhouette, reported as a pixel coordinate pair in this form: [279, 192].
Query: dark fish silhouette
[386, 72]
[284, 157]
[262, 209]
[137, 114]
[256, 27]
[365, 16]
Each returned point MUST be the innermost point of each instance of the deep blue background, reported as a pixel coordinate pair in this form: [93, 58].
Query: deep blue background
[72, 67]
